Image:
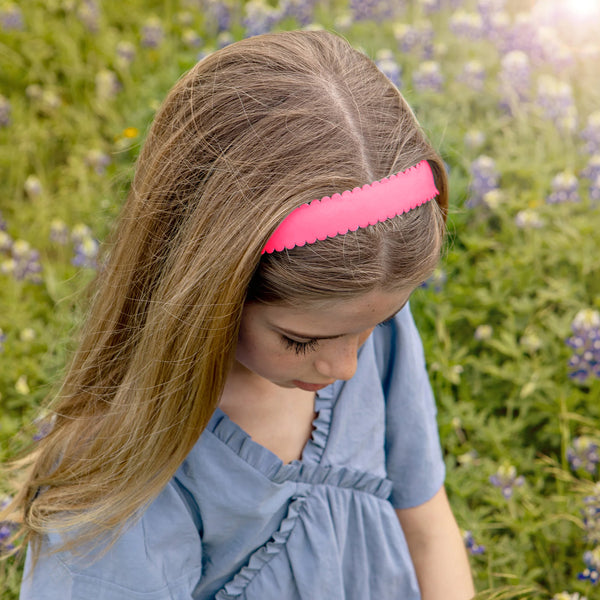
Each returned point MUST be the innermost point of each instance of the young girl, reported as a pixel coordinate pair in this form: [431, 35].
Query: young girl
[248, 415]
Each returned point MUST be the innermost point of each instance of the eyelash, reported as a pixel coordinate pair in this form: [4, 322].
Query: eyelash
[312, 345]
[300, 347]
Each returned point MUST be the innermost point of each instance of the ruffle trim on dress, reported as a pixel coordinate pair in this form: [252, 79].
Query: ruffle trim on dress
[237, 586]
[313, 451]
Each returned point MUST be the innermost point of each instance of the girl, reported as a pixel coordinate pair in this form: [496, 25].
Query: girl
[249, 401]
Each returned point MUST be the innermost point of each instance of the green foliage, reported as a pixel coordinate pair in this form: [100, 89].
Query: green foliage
[494, 321]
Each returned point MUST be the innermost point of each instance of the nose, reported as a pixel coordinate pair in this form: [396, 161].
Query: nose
[338, 360]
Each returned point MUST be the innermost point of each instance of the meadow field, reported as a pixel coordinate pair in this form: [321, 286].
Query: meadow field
[508, 92]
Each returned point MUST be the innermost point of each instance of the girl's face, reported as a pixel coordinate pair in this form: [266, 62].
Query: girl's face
[310, 348]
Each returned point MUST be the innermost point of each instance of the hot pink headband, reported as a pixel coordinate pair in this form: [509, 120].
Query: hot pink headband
[353, 209]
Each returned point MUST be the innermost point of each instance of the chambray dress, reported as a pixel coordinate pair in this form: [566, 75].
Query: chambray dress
[236, 523]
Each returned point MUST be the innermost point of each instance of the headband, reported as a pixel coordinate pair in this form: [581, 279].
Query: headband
[354, 209]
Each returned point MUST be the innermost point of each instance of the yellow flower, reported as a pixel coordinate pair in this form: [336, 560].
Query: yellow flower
[130, 132]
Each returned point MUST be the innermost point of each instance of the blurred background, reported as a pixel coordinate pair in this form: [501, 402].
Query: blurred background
[508, 92]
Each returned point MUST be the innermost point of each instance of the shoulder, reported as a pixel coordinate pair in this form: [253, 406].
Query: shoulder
[156, 555]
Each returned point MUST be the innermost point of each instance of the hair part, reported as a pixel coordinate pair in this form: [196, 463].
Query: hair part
[246, 136]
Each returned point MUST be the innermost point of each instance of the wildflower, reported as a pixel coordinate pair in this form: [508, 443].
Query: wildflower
[556, 100]
[49, 101]
[191, 38]
[565, 188]
[430, 6]
[25, 264]
[97, 160]
[528, 219]
[567, 596]
[592, 169]
[472, 75]
[300, 10]
[86, 252]
[5, 110]
[483, 332]
[595, 190]
[585, 342]
[7, 529]
[591, 573]
[583, 454]
[21, 386]
[591, 133]
[428, 77]
[470, 544]
[88, 13]
[484, 179]
[80, 232]
[33, 186]
[514, 79]
[5, 241]
[11, 17]
[506, 478]
[474, 138]
[407, 37]
[131, 132]
[44, 424]
[2, 340]
[375, 10]
[591, 516]
[259, 17]
[436, 280]
[152, 33]
[493, 199]
[465, 24]
[218, 15]
[107, 84]
[125, 52]
[59, 232]
[389, 67]
[224, 39]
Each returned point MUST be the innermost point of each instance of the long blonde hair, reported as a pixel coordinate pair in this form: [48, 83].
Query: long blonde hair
[251, 132]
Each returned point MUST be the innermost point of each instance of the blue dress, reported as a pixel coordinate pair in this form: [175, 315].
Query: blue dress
[236, 523]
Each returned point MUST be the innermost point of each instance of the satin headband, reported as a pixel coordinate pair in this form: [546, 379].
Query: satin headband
[354, 209]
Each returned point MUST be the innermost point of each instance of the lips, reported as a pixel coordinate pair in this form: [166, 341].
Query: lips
[310, 387]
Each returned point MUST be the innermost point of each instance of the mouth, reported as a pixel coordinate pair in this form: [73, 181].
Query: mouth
[310, 387]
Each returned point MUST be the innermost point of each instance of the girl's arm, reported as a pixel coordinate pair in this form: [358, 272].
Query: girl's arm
[437, 550]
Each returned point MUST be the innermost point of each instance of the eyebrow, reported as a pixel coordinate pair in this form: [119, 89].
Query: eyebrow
[331, 337]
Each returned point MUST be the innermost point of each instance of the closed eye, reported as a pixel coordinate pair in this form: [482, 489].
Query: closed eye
[300, 347]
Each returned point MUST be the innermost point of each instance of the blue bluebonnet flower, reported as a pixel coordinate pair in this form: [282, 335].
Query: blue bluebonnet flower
[585, 342]
[11, 17]
[97, 160]
[153, 33]
[591, 516]
[496, 28]
[86, 253]
[259, 17]
[514, 80]
[583, 454]
[5, 110]
[25, 264]
[2, 340]
[428, 77]
[436, 280]
[555, 97]
[59, 232]
[388, 65]
[470, 544]
[375, 10]
[2, 222]
[191, 38]
[224, 39]
[88, 13]
[465, 24]
[44, 425]
[592, 169]
[591, 133]
[33, 186]
[568, 596]
[506, 479]
[218, 15]
[6, 241]
[7, 529]
[594, 191]
[430, 6]
[565, 188]
[125, 52]
[472, 75]
[107, 84]
[591, 573]
[407, 37]
[553, 51]
[484, 179]
[487, 8]
[300, 10]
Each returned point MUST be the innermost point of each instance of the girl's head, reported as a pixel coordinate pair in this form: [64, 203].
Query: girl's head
[249, 134]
